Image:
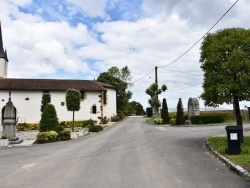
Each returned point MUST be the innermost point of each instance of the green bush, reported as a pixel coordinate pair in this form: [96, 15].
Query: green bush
[158, 121]
[95, 128]
[88, 122]
[27, 126]
[49, 120]
[173, 121]
[120, 115]
[115, 118]
[207, 118]
[46, 137]
[64, 135]
[104, 120]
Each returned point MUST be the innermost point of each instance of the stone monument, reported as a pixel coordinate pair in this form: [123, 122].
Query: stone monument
[9, 122]
[193, 107]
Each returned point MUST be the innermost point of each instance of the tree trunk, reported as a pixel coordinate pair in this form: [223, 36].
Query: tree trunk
[73, 124]
[238, 116]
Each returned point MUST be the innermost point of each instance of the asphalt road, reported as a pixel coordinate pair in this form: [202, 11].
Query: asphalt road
[130, 154]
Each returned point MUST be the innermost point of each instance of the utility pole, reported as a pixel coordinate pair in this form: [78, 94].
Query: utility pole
[156, 81]
[156, 77]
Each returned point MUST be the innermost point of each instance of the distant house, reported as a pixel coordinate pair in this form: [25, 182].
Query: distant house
[97, 99]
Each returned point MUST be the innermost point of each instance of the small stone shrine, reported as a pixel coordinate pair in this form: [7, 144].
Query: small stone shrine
[9, 122]
[193, 107]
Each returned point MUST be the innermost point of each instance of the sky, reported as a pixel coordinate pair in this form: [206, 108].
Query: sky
[79, 39]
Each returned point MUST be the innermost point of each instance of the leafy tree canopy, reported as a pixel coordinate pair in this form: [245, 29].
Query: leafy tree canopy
[73, 100]
[120, 80]
[225, 61]
[137, 108]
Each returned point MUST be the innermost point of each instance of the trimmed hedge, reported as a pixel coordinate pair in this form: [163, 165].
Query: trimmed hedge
[27, 126]
[95, 128]
[149, 111]
[88, 122]
[64, 135]
[207, 118]
[46, 137]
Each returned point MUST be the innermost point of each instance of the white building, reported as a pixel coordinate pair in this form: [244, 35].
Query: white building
[97, 99]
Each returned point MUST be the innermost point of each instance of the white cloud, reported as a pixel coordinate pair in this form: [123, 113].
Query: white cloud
[93, 8]
[36, 46]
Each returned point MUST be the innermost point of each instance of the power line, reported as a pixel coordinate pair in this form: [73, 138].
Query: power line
[185, 87]
[181, 72]
[143, 76]
[202, 36]
[193, 44]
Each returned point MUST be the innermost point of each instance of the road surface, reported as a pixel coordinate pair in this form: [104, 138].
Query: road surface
[130, 154]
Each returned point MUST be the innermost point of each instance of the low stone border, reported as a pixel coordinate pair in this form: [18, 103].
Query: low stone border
[242, 172]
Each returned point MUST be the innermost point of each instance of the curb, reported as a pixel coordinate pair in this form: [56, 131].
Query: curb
[240, 171]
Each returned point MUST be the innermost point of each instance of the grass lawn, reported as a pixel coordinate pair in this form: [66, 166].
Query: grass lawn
[243, 159]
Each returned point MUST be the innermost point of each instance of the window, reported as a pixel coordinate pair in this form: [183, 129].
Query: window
[94, 109]
[82, 95]
[62, 103]
[105, 97]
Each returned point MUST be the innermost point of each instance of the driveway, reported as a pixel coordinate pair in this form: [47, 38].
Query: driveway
[129, 154]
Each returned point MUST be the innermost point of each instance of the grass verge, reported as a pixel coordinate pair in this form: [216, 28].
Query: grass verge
[243, 159]
[150, 120]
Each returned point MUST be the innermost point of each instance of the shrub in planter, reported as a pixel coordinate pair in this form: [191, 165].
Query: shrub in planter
[158, 121]
[46, 137]
[64, 135]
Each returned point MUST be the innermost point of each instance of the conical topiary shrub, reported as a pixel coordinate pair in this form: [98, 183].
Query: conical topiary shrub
[180, 119]
[164, 112]
[49, 120]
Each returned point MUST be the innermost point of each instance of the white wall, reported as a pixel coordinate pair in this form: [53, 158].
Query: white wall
[29, 110]
[110, 108]
[3, 68]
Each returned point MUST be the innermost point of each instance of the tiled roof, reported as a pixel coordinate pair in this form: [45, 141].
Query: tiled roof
[51, 84]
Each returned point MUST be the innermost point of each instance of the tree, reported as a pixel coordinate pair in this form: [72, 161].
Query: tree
[73, 102]
[46, 98]
[180, 118]
[120, 80]
[124, 74]
[49, 120]
[225, 61]
[164, 112]
[153, 91]
[137, 108]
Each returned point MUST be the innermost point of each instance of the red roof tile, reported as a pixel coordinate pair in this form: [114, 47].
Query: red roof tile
[51, 84]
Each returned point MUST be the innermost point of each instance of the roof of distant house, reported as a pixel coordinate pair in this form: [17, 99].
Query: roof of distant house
[51, 84]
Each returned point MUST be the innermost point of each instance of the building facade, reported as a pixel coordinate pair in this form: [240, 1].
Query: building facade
[97, 99]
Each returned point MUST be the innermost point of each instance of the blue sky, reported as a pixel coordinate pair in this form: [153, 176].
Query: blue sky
[79, 39]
